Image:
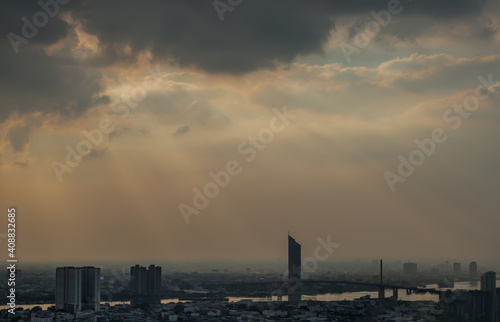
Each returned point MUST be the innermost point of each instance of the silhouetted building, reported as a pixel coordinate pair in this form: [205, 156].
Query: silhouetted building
[78, 288]
[154, 280]
[68, 289]
[294, 270]
[410, 269]
[91, 288]
[138, 280]
[457, 268]
[473, 271]
[464, 306]
[145, 284]
[488, 286]
[488, 282]
[477, 306]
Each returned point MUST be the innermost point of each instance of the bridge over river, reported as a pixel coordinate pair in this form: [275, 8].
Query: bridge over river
[281, 287]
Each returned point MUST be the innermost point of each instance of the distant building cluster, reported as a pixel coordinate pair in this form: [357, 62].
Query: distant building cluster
[480, 305]
[363, 309]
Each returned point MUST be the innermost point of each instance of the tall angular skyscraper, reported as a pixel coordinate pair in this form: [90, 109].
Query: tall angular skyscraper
[78, 288]
[294, 270]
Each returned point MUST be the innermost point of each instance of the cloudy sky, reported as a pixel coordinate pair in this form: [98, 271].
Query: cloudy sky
[115, 113]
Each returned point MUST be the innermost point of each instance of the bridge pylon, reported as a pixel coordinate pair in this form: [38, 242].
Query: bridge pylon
[381, 290]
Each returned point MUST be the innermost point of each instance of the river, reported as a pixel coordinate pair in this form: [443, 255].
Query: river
[320, 297]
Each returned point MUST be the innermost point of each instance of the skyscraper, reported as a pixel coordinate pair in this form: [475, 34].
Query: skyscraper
[294, 270]
[410, 269]
[145, 284]
[78, 288]
[154, 280]
[488, 285]
[68, 289]
[473, 271]
[488, 282]
[457, 268]
[138, 280]
[91, 288]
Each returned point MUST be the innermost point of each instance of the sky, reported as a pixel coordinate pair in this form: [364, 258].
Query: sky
[210, 129]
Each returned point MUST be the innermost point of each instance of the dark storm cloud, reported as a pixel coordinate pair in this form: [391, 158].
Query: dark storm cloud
[11, 21]
[190, 33]
[437, 8]
[33, 81]
[255, 34]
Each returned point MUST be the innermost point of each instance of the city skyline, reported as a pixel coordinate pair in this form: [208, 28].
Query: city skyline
[455, 293]
[147, 291]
